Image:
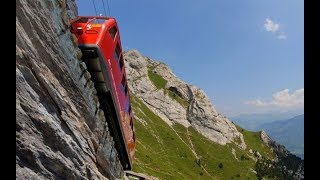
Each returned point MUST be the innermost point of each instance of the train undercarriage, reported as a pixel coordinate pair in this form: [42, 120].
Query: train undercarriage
[97, 67]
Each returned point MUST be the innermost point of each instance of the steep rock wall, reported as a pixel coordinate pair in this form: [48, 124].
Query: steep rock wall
[60, 131]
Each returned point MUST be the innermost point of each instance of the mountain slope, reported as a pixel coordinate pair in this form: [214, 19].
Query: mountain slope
[289, 132]
[180, 135]
[177, 152]
[174, 101]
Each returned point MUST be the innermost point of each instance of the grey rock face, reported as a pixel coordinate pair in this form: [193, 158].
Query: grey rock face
[156, 99]
[173, 82]
[200, 113]
[60, 131]
[137, 73]
[204, 117]
[265, 138]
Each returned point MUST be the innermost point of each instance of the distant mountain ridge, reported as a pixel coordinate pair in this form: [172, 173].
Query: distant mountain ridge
[285, 128]
[254, 121]
[289, 132]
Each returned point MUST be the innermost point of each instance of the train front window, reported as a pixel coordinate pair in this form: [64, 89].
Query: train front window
[82, 20]
[92, 20]
[98, 21]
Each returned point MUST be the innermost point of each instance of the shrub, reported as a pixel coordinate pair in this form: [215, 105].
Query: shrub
[220, 165]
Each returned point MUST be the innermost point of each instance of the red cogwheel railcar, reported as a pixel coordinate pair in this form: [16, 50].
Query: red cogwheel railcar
[99, 40]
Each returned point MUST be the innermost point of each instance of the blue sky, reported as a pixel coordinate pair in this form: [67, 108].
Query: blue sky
[247, 55]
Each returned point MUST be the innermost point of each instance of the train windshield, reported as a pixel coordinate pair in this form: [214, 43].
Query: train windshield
[92, 20]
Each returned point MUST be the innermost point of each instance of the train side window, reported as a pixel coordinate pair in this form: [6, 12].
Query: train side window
[127, 106]
[117, 52]
[131, 123]
[123, 84]
[129, 110]
[116, 56]
[121, 61]
[134, 137]
[126, 89]
[113, 32]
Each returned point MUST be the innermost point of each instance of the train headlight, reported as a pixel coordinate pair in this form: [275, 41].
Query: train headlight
[79, 30]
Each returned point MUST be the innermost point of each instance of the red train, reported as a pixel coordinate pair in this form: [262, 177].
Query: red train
[99, 40]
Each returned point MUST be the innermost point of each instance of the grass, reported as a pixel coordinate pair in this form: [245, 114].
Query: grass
[165, 152]
[213, 154]
[254, 142]
[178, 152]
[156, 79]
[159, 150]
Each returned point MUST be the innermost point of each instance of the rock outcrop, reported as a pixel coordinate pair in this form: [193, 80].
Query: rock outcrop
[60, 131]
[265, 138]
[193, 107]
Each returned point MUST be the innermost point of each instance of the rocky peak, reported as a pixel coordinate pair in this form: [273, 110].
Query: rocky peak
[135, 60]
[205, 118]
[265, 138]
[176, 101]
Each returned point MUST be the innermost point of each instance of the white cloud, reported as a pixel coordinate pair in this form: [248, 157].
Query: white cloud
[282, 36]
[269, 25]
[285, 99]
[282, 99]
[256, 102]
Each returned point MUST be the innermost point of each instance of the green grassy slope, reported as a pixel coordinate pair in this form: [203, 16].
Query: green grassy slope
[255, 143]
[167, 152]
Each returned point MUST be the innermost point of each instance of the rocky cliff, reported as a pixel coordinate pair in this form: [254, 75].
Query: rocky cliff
[177, 102]
[60, 131]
